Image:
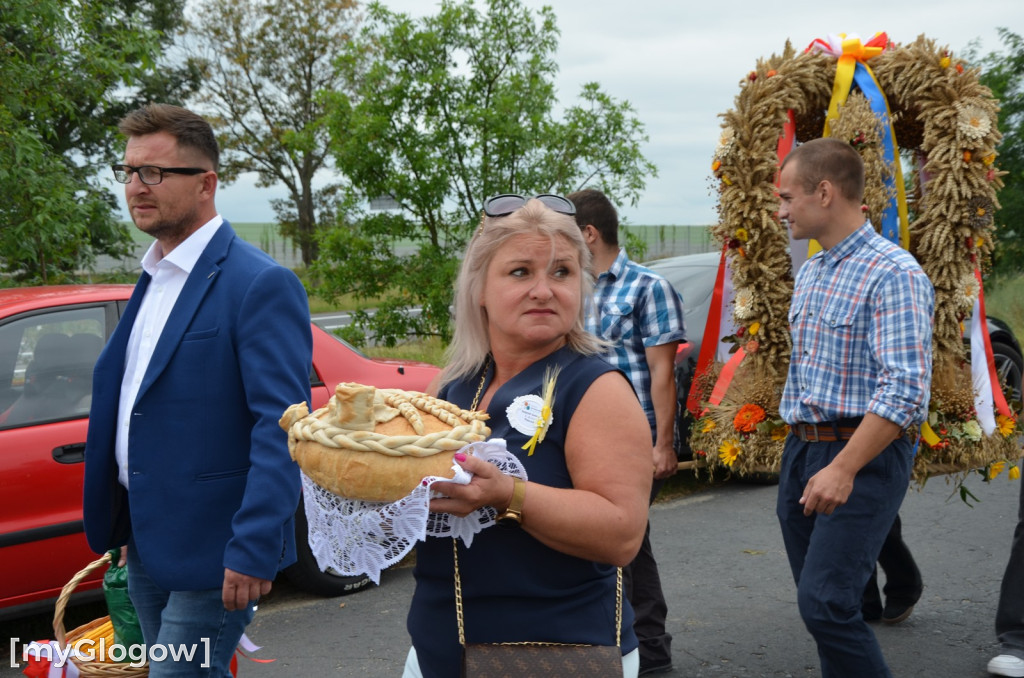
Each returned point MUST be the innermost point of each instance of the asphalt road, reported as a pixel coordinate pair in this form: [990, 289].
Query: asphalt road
[732, 604]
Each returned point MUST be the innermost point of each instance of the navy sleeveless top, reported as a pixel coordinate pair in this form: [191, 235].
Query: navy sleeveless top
[514, 588]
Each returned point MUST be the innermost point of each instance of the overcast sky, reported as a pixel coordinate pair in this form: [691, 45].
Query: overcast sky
[679, 64]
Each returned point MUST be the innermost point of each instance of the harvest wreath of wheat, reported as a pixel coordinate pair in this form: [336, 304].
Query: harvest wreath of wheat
[926, 129]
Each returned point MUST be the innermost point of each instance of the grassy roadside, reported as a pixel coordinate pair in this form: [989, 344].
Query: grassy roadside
[1004, 299]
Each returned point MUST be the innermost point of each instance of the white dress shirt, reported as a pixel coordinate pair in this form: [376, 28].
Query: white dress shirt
[169, 274]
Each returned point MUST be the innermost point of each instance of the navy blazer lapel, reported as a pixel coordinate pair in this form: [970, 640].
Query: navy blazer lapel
[198, 284]
[118, 344]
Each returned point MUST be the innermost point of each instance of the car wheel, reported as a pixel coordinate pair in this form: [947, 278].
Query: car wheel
[1009, 366]
[305, 573]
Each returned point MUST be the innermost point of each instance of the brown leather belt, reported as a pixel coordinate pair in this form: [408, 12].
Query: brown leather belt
[825, 432]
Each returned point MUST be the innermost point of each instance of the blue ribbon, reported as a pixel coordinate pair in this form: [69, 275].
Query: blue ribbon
[869, 87]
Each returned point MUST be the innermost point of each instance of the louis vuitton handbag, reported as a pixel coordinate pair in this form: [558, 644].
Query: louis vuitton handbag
[538, 659]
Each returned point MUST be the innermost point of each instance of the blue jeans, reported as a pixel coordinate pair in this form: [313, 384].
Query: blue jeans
[177, 622]
[833, 556]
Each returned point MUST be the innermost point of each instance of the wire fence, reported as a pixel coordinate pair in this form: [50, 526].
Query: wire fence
[671, 241]
[660, 241]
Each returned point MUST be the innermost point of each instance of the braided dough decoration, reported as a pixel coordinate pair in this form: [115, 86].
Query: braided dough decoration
[378, 444]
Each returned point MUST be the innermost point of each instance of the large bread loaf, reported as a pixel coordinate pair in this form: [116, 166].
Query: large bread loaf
[379, 444]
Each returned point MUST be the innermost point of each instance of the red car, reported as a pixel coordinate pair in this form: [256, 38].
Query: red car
[50, 338]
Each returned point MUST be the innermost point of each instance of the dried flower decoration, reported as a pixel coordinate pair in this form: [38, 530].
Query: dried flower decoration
[726, 142]
[743, 304]
[979, 212]
[968, 291]
[972, 122]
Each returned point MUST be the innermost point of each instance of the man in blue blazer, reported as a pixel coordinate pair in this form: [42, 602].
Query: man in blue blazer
[185, 462]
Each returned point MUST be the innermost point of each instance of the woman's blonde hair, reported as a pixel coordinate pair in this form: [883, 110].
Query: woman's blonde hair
[470, 343]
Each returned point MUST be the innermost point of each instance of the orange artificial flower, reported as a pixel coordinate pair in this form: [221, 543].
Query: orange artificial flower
[747, 419]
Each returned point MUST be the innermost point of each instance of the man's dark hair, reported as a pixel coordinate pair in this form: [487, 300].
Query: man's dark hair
[191, 130]
[594, 208]
[832, 160]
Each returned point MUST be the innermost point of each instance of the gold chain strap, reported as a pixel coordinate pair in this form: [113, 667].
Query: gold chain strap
[455, 546]
[461, 619]
[458, 594]
[480, 388]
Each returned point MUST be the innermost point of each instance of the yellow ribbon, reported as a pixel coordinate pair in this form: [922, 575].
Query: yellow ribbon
[929, 435]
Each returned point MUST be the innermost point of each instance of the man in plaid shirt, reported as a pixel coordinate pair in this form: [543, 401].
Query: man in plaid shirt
[856, 394]
[641, 315]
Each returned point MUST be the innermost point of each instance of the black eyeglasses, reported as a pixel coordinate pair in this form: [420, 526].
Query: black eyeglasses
[150, 175]
[507, 203]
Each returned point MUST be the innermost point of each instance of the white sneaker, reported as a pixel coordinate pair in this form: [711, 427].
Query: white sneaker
[1007, 665]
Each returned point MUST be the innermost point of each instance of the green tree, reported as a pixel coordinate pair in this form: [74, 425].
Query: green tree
[263, 64]
[68, 72]
[453, 108]
[1003, 73]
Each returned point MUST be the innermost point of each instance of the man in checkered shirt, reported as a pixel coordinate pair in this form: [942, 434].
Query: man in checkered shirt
[641, 315]
[856, 394]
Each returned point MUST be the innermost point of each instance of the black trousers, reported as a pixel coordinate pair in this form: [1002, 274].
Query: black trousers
[642, 586]
[903, 583]
[1010, 613]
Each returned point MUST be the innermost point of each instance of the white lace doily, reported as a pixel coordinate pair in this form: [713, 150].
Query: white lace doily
[355, 537]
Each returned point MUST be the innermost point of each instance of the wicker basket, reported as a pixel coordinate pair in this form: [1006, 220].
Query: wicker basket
[89, 669]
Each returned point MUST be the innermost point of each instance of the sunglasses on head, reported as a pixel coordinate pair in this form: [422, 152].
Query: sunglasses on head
[507, 203]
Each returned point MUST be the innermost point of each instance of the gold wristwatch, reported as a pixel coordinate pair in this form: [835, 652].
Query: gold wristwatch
[513, 515]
